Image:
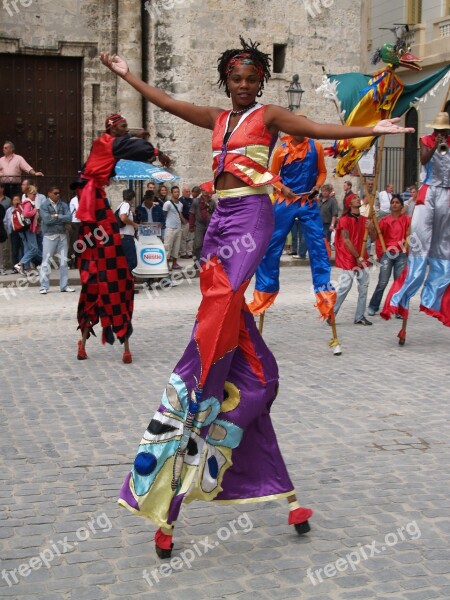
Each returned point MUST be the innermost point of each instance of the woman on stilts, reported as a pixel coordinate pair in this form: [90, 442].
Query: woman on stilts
[212, 437]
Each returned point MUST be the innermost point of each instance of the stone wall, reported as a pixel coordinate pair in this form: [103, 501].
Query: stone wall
[191, 34]
[182, 40]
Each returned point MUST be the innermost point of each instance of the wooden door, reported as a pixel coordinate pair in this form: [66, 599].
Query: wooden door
[40, 108]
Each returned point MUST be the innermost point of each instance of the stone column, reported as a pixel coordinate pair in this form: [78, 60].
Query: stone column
[129, 102]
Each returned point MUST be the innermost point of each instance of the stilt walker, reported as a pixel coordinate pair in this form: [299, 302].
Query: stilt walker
[212, 437]
[300, 164]
[430, 235]
[106, 283]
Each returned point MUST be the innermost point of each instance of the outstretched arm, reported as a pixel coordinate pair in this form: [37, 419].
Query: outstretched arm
[203, 116]
[279, 119]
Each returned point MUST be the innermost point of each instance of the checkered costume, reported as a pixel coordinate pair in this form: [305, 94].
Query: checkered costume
[107, 284]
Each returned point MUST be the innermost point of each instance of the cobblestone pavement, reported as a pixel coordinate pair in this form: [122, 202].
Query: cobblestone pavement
[365, 436]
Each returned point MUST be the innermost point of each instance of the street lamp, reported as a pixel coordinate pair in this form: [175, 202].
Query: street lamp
[294, 93]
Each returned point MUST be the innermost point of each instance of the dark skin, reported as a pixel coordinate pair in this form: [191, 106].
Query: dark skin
[243, 83]
[120, 129]
[427, 153]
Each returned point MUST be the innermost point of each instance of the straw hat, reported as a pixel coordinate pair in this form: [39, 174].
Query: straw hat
[440, 122]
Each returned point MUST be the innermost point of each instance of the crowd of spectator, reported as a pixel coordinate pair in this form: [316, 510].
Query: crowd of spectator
[51, 227]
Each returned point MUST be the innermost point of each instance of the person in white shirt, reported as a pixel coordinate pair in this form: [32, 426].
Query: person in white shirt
[126, 214]
[385, 201]
[76, 186]
[174, 218]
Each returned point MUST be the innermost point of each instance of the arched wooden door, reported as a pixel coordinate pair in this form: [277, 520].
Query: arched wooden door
[40, 105]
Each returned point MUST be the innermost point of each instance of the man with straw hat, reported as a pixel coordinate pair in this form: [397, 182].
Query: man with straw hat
[430, 232]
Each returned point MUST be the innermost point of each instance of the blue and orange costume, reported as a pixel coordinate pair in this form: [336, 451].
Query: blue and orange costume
[301, 167]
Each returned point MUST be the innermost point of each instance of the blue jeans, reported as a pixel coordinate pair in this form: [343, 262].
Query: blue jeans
[53, 248]
[16, 247]
[31, 251]
[345, 285]
[388, 262]
[298, 239]
[129, 249]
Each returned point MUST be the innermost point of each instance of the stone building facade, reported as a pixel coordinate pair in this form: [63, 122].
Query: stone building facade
[175, 44]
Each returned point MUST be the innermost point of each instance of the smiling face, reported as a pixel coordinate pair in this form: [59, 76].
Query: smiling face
[243, 84]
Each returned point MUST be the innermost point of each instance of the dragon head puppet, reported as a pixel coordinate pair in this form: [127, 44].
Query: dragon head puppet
[396, 55]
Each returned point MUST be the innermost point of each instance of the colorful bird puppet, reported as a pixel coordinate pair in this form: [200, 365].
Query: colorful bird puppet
[363, 100]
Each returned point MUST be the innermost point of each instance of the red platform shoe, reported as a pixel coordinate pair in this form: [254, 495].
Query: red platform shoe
[81, 355]
[127, 358]
[299, 518]
[163, 544]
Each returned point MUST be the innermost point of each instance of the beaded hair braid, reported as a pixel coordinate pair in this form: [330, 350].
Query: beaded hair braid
[249, 49]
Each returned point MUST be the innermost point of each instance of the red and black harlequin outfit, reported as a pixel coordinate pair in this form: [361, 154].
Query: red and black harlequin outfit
[107, 285]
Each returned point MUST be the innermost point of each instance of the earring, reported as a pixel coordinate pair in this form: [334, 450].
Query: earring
[259, 94]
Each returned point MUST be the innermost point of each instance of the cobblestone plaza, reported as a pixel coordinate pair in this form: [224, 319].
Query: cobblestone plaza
[365, 436]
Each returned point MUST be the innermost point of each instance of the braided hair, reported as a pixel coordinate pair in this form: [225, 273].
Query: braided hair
[248, 52]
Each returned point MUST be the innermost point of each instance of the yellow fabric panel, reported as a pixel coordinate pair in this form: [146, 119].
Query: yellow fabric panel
[257, 178]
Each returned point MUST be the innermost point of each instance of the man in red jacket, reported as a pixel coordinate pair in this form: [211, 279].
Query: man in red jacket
[348, 244]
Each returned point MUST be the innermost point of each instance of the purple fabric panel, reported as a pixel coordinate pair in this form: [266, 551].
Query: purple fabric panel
[174, 509]
[258, 468]
[238, 234]
[125, 493]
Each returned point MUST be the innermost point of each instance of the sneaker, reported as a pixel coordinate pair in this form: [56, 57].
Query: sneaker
[363, 321]
[19, 269]
[371, 312]
[43, 291]
[68, 289]
[3, 272]
[295, 256]
[176, 267]
[303, 257]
